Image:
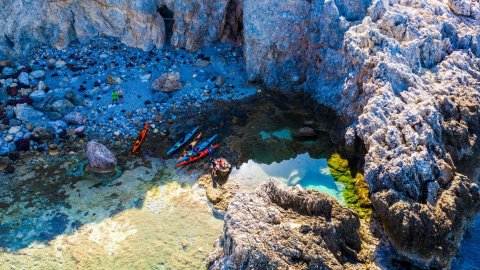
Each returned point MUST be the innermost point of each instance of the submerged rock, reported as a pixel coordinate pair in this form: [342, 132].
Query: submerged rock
[278, 227]
[100, 159]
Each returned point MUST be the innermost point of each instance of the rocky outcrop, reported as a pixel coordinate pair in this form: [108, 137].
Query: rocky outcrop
[136, 23]
[100, 159]
[278, 227]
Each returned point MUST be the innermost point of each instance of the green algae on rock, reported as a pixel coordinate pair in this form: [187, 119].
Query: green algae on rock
[356, 189]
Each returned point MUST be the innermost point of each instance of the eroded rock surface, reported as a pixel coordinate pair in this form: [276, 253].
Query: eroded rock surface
[278, 227]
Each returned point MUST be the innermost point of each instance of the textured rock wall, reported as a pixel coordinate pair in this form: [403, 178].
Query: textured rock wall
[136, 23]
[279, 227]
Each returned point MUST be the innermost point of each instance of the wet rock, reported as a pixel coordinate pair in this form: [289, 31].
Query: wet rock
[277, 216]
[219, 194]
[168, 82]
[26, 113]
[62, 106]
[305, 133]
[75, 118]
[100, 159]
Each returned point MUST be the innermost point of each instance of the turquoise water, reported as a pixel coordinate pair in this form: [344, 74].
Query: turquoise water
[282, 134]
[469, 255]
[303, 170]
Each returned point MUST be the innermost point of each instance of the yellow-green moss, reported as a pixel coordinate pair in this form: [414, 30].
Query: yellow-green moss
[356, 189]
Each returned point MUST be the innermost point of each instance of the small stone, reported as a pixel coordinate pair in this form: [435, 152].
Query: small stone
[37, 74]
[202, 63]
[23, 78]
[8, 138]
[220, 81]
[8, 71]
[14, 130]
[60, 64]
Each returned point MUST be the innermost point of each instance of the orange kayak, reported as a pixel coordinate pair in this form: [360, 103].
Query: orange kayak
[140, 137]
[200, 155]
[191, 145]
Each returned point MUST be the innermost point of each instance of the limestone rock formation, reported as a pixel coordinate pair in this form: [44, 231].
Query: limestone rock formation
[219, 195]
[136, 23]
[100, 159]
[278, 227]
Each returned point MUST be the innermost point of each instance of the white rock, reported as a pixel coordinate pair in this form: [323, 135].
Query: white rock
[14, 130]
[8, 138]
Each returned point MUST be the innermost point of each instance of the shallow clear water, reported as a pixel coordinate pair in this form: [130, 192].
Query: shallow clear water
[303, 170]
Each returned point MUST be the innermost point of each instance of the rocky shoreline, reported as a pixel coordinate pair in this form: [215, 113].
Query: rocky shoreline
[403, 76]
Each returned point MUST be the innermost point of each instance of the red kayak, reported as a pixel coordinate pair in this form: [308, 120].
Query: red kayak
[140, 138]
[200, 155]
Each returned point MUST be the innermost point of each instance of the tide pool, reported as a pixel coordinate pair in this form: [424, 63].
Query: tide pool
[303, 170]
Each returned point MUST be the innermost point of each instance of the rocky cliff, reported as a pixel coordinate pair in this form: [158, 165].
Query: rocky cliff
[403, 75]
[287, 228]
[137, 23]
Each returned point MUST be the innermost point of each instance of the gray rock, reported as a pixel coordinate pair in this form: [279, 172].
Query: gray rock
[28, 114]
[37, 74]
[62, 106]
[75, 118]
[43, 133]
[259, 231]
[8, 71]
[100, 159]
[23, 78]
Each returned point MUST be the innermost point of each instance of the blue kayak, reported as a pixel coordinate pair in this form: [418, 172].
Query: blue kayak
[182, 141]
[197, 149]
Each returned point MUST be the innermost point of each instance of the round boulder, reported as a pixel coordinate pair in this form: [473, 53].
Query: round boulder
[100, 159]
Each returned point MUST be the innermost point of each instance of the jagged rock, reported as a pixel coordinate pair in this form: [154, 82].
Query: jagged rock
[197, 22]
[461, 7]
[75, 118]
[219, 194]
[278, 227]
[100, 159]
[167, 82]
[26, 113]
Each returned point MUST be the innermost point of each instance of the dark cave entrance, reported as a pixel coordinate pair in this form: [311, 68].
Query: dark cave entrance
[167, 15]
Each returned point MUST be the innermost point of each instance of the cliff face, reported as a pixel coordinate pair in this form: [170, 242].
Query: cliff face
[404, 75]
[137, 23]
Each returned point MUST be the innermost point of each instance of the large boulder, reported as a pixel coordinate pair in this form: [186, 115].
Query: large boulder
[75, 118]
[278, 227]
[168, 82]
[100, 159]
